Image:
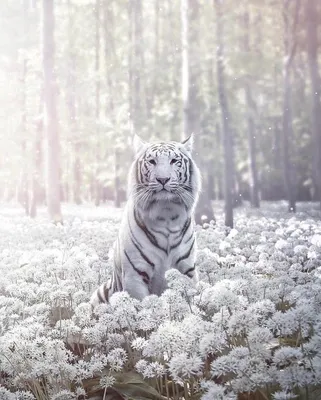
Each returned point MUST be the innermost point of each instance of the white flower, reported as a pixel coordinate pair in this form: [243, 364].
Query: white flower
[216, 392]
[260, 335]
[233, 233]
[287, 355]
[300, 249]
[80, 392]
[150, 370]
[124, 309]
[168, 339]
[159, 369]
[106, 381]
[180, 283]
[213, 342]
[281, 244]
[141, 366]
[284, 395]
[139, 343]
[117, 358]
[224, 245]
[63, 395]
[234, 362]
[184, 366]
[316, 240]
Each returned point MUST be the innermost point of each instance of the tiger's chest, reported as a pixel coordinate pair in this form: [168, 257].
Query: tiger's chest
[170, 225]
[167, 219]
[172, 228]
[156, 241]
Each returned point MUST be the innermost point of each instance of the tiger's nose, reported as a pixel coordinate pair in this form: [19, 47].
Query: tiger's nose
[163, 181]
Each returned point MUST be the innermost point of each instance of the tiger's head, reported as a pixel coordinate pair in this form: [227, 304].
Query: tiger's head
[164, 171]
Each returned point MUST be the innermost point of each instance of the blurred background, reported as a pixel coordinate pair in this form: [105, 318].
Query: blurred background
[79, 77]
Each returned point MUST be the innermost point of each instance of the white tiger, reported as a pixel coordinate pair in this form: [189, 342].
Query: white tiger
[157, 229]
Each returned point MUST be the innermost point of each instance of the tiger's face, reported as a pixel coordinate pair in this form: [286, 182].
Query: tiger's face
[164, 171]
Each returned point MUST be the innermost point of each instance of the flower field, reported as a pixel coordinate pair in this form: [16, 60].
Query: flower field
[251, 329]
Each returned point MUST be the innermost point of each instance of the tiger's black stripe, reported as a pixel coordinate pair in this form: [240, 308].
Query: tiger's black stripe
[137, 171]
[106, 291]
[189, 270]
[170, 231]
[130, 229]
[186, 255]
[184, 230]
[143, 255]
[140, 171]
[162, 233]
[148, 234]
[186, 169]
[190, 173]
[143, 274]
[189, 238]
[138, 247]
[100, 298]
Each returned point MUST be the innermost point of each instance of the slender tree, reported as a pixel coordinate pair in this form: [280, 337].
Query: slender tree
[287, 131]
[312, 24]
[23, 190]
[190, 95]
[51, 117]
[227, 136]
[251, 108]
[97, 102]
[71, 104]
[37, 190]
[185, 66]
[136, 63]
[154, 88]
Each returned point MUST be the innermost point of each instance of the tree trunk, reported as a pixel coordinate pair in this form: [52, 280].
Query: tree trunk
[311, 14]
[71, 103]
[130, 68]
[37, 196]
[136, 62]
[117, 179]
[287, 128]
[185, 67]
[109, 49]
[23, 192]
[51, 118]
[154, 90]
[287, 135]
[227, 138]
[190, 96]
[250, 105]
[220, 177]
[97, 102]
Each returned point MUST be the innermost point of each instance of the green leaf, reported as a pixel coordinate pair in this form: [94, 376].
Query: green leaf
[132, 386]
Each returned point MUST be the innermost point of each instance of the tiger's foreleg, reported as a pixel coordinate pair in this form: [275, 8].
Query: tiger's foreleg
[186, 263]
[137, 275]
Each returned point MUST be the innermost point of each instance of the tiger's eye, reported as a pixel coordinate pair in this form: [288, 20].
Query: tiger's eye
[151, 161]
[173, 161]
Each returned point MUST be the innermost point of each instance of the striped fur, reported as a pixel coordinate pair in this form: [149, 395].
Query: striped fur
[157, 230]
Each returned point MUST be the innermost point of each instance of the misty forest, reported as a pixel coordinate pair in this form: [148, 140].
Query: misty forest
[80, 78]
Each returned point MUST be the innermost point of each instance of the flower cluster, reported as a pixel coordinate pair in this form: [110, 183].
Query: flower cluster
[251, 325]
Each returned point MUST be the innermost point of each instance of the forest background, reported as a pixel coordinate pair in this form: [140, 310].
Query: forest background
[79, 77]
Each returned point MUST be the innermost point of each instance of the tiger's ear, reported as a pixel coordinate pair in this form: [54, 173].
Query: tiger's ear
[188, 143]
[138, 144]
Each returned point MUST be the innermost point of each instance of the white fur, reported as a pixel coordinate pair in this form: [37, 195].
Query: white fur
[155, 218]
